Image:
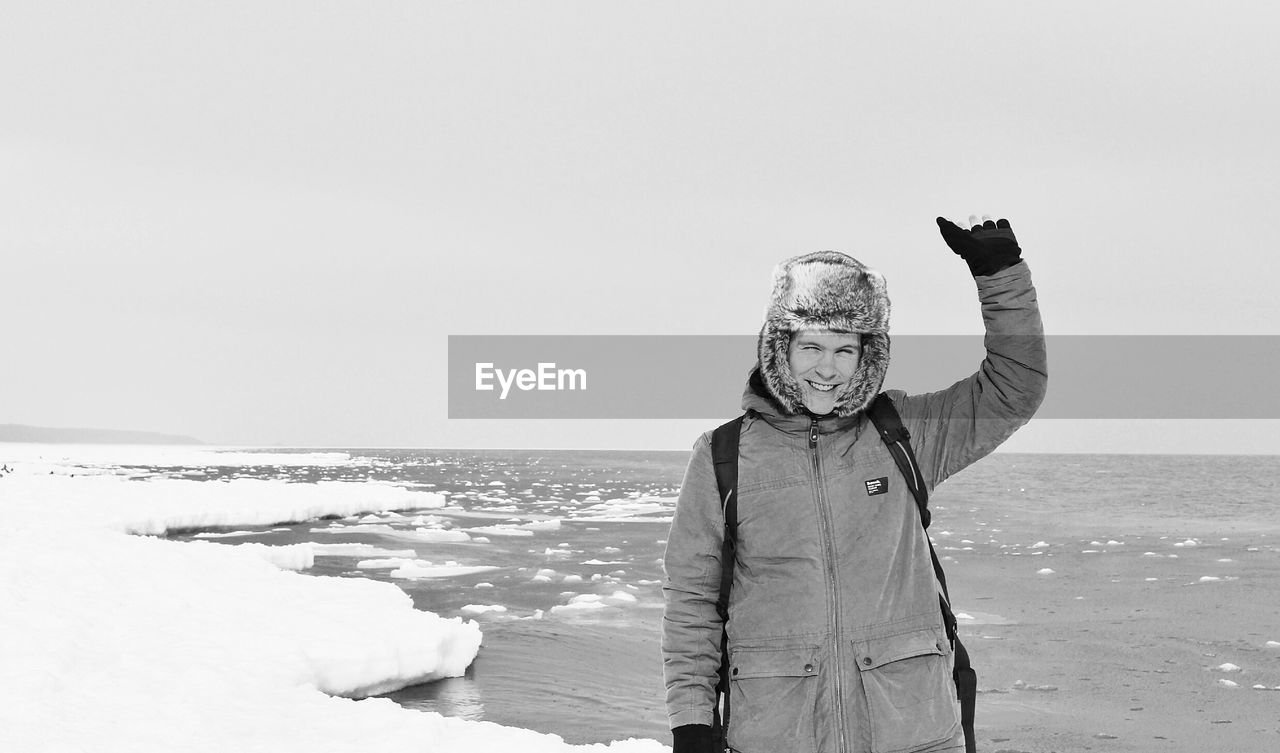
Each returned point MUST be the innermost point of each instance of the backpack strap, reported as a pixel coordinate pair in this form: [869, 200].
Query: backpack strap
[884, 416]
[887, 421]
[896, 437]
[724, 454]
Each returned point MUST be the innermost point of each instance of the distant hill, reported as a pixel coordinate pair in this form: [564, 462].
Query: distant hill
[20, 433]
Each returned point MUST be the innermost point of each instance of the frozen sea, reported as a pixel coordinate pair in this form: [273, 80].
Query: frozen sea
[567, 543]
[576, 540]
[557, 556]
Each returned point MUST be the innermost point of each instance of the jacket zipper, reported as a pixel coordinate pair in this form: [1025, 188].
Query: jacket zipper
[833, 591]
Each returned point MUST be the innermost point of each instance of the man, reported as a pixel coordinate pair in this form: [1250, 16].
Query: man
[835, 637]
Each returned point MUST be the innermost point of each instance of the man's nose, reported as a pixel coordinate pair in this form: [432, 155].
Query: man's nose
[826, 367]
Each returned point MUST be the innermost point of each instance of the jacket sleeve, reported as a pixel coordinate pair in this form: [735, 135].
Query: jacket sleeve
[955, 427]
[691, 627]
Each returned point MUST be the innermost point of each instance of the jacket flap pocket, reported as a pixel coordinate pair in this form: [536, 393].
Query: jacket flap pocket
[773, 662]
[877, 652]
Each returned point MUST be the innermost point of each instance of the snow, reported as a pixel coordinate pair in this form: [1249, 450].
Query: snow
[159, 505]
[141, 643]
[106, 642]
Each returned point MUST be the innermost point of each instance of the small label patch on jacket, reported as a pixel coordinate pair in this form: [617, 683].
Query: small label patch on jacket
[877, 485]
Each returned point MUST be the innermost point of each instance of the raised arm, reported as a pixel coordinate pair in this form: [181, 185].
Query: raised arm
[954, 427]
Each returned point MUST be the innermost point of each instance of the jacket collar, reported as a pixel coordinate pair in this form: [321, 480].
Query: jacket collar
[756, 399]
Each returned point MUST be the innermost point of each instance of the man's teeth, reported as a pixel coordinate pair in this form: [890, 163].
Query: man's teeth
[821, 387]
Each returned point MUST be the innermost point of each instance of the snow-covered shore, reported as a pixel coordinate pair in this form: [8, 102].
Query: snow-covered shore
[119, 642]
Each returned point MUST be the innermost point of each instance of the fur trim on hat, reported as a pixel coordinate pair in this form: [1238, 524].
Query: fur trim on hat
[826, 290]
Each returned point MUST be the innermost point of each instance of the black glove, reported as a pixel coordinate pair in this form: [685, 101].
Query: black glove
[987, 248]
[693, 738]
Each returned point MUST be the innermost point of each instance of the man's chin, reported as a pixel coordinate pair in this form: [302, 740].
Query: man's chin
[820, 408]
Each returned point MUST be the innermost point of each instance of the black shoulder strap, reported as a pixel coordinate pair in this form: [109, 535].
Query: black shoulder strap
[887, 421]
[724, 454]
[884, 416]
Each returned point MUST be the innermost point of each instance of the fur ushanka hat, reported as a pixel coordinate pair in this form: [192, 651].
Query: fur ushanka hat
[825, 290]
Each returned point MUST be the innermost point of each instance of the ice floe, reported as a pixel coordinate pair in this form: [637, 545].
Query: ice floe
[542, 525]
[425, 569]
[440, 535]
[482, 608]
[42, 458]
[289, 557]
[501, 531]
[357, 550]
[257, 649]
[160, 505]
[595, 602]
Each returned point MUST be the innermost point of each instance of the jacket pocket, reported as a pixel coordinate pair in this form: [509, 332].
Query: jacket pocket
[773, 697]
[911, 697]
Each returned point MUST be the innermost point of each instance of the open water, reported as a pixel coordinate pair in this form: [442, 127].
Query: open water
[575, 539]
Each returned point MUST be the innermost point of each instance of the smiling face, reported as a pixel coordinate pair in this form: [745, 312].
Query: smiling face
[823, 363]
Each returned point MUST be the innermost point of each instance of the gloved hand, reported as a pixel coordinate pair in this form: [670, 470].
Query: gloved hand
[693, 738]
[986, 248]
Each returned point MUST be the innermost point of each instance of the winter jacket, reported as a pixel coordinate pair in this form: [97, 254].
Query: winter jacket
[836, 641]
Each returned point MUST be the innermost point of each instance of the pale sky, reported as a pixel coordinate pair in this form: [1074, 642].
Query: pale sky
[258, 222]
